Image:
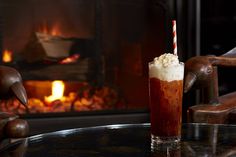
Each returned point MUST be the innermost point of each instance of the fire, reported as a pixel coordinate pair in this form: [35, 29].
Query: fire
[70, 59]
[7, 56]
[54, 30]
[57, 91]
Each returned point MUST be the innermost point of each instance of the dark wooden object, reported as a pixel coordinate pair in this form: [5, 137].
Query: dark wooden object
[11, 85]
[83, 70]
[201, 72]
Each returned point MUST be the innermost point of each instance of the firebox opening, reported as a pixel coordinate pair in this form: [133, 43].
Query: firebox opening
[66, 96]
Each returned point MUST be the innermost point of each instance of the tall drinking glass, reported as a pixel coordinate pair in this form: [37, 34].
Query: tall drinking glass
[165, 91]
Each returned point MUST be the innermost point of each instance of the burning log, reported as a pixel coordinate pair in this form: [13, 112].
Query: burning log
[50, 57]
[83, 70]
[41, 46]
[55, 48]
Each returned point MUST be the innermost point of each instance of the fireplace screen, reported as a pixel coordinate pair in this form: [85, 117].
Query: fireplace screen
[81, 55]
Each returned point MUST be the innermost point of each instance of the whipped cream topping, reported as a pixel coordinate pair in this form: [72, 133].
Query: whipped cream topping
[166, 60]
[167, 67]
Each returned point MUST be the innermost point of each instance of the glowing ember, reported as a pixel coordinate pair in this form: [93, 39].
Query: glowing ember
[7, 56]
[71, 59]
[57, 91]
[86, 98]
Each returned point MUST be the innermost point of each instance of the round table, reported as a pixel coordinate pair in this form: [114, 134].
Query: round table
[124, 140]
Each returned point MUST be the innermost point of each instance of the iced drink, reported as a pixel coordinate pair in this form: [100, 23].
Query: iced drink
[166, 89]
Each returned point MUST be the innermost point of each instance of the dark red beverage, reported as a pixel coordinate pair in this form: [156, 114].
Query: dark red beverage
[166, 90]
[166, 107]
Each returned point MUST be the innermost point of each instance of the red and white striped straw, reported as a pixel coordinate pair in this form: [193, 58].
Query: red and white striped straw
[174, 36]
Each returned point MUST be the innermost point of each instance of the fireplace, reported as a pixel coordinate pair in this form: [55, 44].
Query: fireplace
[82, 58]
[97, 49]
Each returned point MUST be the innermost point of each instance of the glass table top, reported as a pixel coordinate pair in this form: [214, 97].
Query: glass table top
[125, 140]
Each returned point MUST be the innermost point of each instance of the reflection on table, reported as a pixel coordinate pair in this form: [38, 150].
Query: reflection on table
[125, 141]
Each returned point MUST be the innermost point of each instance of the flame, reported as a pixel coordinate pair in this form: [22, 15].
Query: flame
[57, 91]
[7, 56]
[54, 30]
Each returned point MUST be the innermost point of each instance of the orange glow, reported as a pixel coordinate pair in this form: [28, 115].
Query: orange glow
[54, 30]
[71, 59]
[7, 56]
[57, 91]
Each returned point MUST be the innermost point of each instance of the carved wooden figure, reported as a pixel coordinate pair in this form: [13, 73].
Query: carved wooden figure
[201, 72]
[11, 85]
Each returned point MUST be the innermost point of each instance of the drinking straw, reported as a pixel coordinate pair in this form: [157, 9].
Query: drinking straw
[174, 36]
